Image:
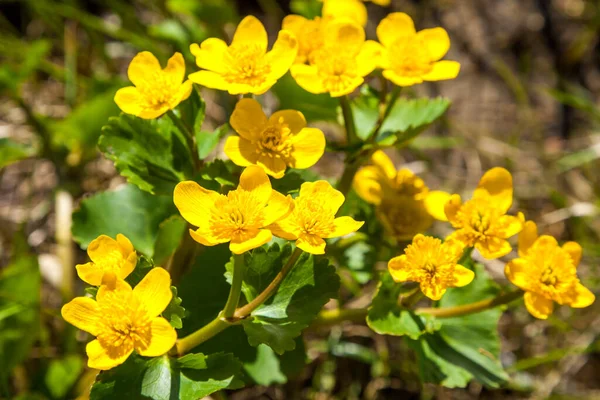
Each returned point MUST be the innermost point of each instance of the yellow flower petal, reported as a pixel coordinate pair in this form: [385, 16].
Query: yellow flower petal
[367, 186]
[394, 26]
[403, 81]
[125, 243]
[241, 151]
[435, 203]
[143, 69]
[279, 207]
[274, 166]
[442, 70]
[344, 226]
[175, 69]
[255, 180]
[210, 54]
[90, 273]
[83, 313]
[508, 225]
[437, 42]
[574, 250]
[368, 58]
[184, 91]
[103, 294]
[462, 276]
[307, 77]
[311, 244]
[294, 119]
[347, 88]
[282, 55]
[104, 249]
[212, 80]
[498, 183]
[308, 148]
[517, 272]
[248, 119]
[583, 297]
[323, 189]
[250, 32]
[285, 229]
[381, 160]
[250, 240]
[206, 238]
[493, 247]
[130, 100]
[538, 306]
[105, 359]
[434, 292]
[162, 338]
[154, 291]
[527, 237]
[399, 268]
[354, 10]
[346, 34]
[451, 209]
[194, 202]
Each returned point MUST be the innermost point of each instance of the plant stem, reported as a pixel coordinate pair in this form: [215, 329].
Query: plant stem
[345, 182]
[236, 286]
[449, 312]
[244, 311]
[181, 126]
[209, 330]
[335, 316]
[393, 98]
[348, 120]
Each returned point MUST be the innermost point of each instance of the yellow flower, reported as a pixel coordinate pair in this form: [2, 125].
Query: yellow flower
[308, 32]
[108, 255]
[156, 90]
[382, 183]
[547, 273]
[412, 57]
[124, 320]
[274, 143]
[241, 217]
[313, 218]
[245, 66]
[433, 264]
[353, 10]
[403, 217]
[482, 221]
[341, 64]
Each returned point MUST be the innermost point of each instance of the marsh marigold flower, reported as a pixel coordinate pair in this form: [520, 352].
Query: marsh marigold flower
[125, 319]
[482, 221]
[308, 32]
[341, 64]
[241, 217]
[245, 66]
[272, 143]
[433, 264]
[547, 273]
[108, 256]
[353, 10]
[156, 90]
[411, 57]
[313, 218]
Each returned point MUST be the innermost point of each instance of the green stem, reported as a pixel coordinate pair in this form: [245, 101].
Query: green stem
[236, 286]
[244, 311]
[345, 182]
[335, 316]
[393, 98]
[209, 330]
[348, 120]
[409, 299]
[449, 312]
[189, 136]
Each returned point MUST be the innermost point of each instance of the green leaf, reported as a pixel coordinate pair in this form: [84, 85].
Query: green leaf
[218, 173]
[386, 317]
[298, 300]
[29, 57]
[289, 184]
[193, 110]
[315, 107]
[151, 154]
[307, 8]
[174, 312]
[207, 141]
[19, 306]
[365, 110]
[162, 378]
[464, 347]
[142, 268]
[170, 232]
[127, 210]
[62, 374]
[11, 151]
[409, 117]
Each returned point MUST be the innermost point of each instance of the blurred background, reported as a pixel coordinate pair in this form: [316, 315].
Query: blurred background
[527, 98]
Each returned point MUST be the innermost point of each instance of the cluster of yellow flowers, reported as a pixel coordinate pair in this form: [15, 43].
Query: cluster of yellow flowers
[122, 319]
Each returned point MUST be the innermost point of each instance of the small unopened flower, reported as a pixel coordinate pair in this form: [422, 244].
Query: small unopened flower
[341, 64]
[108, 256]
[433, 264]
[245, 66]
[353, 10]
[482, 221]
[241, 217]
[272, 143]
[124, 320]
[547, 273]
[313, 218]
[411, 57]
[156, 90]
[403, 217]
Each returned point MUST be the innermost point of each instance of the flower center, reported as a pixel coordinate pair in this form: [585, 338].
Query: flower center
[247, 65]
[548, 277]
[337, 70]
[275, 141]
[312, 218]
[158, 90]
[235, 214]
[408, 56]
